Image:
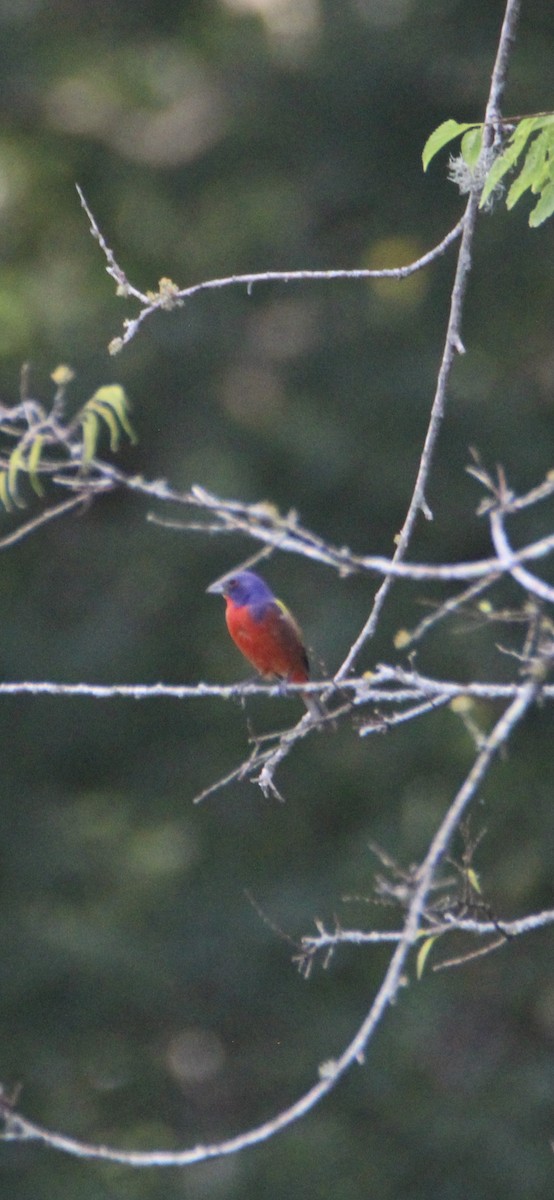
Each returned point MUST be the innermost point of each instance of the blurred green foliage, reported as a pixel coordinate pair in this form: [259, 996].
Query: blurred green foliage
[144, 1002]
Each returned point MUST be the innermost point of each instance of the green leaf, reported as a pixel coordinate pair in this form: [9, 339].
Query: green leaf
[110, 418]
[471, 145]
[423, 953]
[32, 464]
[509, 156]
[530, 125]
[110, 405]
[442, 136]
[544, 208]
[473, 880]
[499, 169]
[91, 431]
[15, 465]
[544, 175]
[4, 492]
[546, 172]
[113, 397]
[532, 168]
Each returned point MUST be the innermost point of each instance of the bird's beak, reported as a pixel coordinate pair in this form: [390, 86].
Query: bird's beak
[217, 588]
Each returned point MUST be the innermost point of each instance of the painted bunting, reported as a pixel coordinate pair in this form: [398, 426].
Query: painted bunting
[266, 632]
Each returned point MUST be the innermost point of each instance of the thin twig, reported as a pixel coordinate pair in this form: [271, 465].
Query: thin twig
[450, 606]
[124, 287]
[324, 939]
[527, 581]
[49, 514]
[262, 523]
[170, 295]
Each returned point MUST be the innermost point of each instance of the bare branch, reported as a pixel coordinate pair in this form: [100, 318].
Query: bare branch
[124, 288]
[500, 69]
[19, 1128]
[49, 514]
[420, 693]
[324, 940]
[405, 639]
[506, 559]
[408, 692]
[263, 523]
[170, 295]
[452, 345]
[368, 689]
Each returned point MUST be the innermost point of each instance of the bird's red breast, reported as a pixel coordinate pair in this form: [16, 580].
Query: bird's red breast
[269, 639]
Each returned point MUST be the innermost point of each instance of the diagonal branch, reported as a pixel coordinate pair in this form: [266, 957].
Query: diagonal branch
[453, 342]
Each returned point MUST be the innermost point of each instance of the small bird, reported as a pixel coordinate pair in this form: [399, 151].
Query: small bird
[266, 632]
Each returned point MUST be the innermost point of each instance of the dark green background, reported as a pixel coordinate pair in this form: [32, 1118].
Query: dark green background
[143, 1000]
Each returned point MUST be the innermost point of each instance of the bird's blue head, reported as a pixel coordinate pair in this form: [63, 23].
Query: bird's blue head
[244, 588]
